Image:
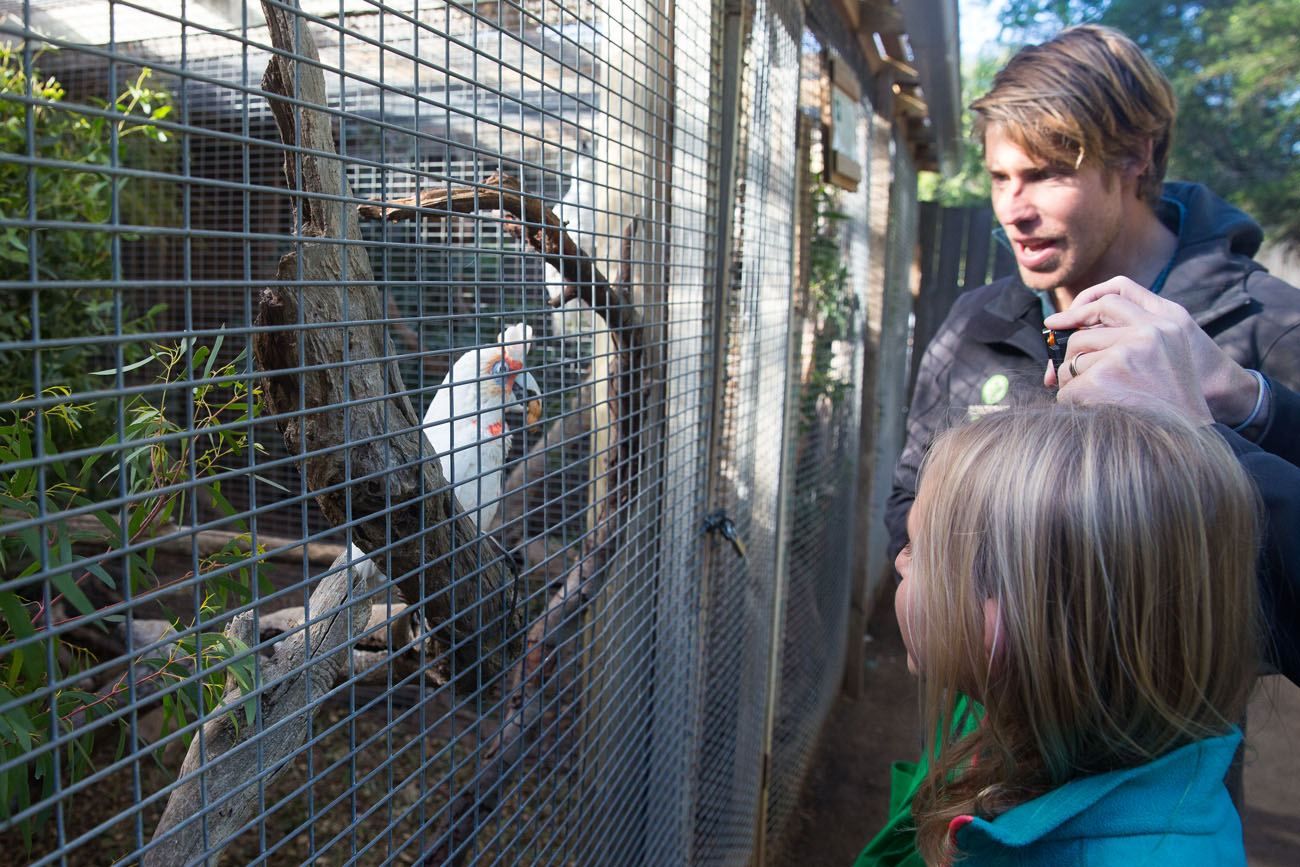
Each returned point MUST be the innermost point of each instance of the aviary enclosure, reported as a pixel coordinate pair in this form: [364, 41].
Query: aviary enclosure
[428, 429]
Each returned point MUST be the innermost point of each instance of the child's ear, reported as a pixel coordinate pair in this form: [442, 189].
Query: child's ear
[993, 637]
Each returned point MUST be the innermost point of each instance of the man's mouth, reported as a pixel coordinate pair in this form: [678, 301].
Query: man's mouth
[1034, 252]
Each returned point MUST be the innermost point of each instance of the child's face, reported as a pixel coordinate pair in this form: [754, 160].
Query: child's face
[907, 603]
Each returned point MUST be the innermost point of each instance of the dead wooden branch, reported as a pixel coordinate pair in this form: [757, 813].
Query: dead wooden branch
[541, 228]
[346, 412]
[232, 755]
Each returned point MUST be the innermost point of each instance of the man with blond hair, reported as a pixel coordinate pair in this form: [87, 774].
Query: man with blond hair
[1076, 136]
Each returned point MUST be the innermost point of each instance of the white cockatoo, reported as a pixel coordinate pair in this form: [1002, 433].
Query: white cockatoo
[466, 420]
[466, 423]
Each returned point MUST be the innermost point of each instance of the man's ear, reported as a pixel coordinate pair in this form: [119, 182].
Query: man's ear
[1143, 161]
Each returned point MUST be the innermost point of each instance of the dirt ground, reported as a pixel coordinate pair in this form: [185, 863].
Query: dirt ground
[846, 796]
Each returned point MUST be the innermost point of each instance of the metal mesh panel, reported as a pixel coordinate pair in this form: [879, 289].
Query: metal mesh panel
[365, 372]
[824, 454]
[170, 508]
[752, 402]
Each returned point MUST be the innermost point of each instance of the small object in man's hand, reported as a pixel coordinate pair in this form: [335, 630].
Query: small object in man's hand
[1056, 341]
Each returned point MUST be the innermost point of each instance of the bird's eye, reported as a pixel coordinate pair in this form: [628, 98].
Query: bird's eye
[500, 368]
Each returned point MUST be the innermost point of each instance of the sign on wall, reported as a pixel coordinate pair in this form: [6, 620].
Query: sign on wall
[841, 113]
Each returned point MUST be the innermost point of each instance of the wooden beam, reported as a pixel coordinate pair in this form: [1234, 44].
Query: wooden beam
[897, 56]
[848, 11]
[880, 16]
[867, 42]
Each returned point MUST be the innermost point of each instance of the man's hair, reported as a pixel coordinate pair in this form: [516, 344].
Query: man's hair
[1119, 546]
[1089, 95]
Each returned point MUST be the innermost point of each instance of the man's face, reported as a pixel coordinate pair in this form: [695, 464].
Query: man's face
[1061, 222]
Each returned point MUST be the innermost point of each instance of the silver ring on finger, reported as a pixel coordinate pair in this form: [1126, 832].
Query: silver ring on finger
[1074, 371]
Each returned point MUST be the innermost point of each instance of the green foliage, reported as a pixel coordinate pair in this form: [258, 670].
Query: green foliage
[76, 190]
[970, 185]
[1235, 67]
[832, 301]
[40, 695]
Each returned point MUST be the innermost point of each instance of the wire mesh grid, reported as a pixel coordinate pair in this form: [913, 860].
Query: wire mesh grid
[330, 534]
[741, 590]
[823, 450]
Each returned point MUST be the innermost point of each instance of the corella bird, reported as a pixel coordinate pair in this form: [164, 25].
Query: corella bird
[466, 421]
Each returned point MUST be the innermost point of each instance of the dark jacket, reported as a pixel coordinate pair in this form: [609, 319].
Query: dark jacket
[1282, 436]
[989, 352]
[1278, 482]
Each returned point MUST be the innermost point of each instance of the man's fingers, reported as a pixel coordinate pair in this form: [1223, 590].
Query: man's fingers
[1121, 287]
[1126, 289]
[1113, 311]
[1094, 340]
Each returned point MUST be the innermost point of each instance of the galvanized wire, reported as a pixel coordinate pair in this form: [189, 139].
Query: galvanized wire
[742, 590]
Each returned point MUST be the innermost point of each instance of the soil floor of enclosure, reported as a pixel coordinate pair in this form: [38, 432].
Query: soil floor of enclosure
[846, 795]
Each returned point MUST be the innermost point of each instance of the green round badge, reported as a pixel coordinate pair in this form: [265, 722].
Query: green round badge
[995, 388]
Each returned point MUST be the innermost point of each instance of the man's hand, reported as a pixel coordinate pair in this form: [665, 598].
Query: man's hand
[1147, 349]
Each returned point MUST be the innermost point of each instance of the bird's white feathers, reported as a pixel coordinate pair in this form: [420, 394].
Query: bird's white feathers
[466, 424]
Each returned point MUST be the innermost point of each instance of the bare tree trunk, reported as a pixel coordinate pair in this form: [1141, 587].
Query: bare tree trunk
[343, 405]
[231, 754]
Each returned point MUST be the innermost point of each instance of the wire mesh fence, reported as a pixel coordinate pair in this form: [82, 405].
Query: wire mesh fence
[382, 385]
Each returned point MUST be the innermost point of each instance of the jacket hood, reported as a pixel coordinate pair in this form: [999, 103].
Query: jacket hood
[1208, 220]
[1215, 243]
[1181, 791]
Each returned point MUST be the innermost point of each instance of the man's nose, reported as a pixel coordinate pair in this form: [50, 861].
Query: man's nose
[1014, 204]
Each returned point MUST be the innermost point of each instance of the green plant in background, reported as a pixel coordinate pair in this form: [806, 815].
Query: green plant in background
[70, 186]
[832, 302]
[969, 185]
[161, 464]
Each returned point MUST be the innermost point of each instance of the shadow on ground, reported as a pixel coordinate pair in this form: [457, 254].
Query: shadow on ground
[846, 796]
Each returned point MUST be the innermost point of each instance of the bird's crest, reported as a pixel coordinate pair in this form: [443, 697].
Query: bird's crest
[515, 341]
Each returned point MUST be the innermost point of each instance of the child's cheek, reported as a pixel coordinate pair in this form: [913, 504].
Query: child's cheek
[908, 623]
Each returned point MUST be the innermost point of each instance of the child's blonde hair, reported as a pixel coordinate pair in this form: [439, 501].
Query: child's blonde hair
[1120, 548]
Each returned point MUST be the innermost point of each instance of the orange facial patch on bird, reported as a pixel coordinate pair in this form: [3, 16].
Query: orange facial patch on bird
[513, 364]
[495, 428]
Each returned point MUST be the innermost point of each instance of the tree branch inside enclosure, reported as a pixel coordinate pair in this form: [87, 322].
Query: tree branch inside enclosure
[359, 424]
[337, 402]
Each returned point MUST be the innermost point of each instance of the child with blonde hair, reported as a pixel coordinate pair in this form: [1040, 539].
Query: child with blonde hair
[1098, 601]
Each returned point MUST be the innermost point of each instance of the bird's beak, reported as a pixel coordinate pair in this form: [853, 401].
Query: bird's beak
[525, 385]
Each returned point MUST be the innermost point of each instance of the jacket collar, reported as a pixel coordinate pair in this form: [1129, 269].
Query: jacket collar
[1013, 315]
[1180, 789]
[1212, 260]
